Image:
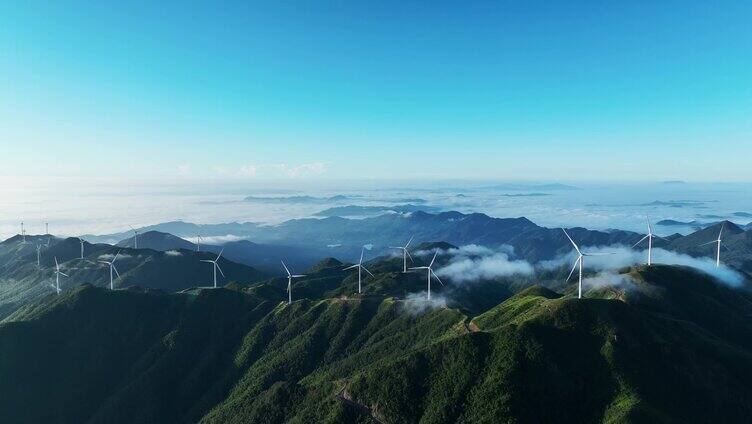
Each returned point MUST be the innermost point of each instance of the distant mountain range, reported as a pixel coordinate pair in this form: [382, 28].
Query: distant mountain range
[171, 263]
[342, 237]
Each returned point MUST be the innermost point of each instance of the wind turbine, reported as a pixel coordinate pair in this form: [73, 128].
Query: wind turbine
[23, 233]
[58, 273]
[112, 268]
[649, 237]
[215, 266]
[360, 267]
[198, 243]
[405, 254]
[580, 256]
[135, 238]
[46, 227]
[430, 272]
[82, 247]
[39, 250]
[290, 276]
[718, 248]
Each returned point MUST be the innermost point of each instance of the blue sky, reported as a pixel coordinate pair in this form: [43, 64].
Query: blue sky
[339, 90]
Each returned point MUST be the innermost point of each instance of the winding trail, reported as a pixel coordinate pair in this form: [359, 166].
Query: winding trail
[363, 409]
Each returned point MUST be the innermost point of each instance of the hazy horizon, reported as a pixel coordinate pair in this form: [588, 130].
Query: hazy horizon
[108, 208]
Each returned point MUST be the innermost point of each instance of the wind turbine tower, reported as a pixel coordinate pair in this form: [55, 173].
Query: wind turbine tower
[718, 246]
[361, 268]
[82, 247]
[290, 276]
[430, 272]
[578, 261]
[215, 266]
[405, 254]
[135, 238]
[649, 237]
[58, 273]
[112, 268]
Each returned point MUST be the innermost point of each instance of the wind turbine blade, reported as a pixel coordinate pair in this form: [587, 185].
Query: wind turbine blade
[573, 268]
[419, 267]
[56, 264]
[220, 254]
[362, 249]
[116, 271]
[650, 228]
[409, 256]
[369, 272]
[288, 271]
[409, 241]
[435, 276]
[220, 269]
[298, 275]
[351, 267]
[395, 247]
[571, 241]
[432, 260]
[62, 273]
[116, 256]
[710, 242]
[721, 232]
[640, 241]
[599, 254]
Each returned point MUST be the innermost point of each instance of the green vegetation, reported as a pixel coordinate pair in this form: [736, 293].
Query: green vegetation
[673, 347]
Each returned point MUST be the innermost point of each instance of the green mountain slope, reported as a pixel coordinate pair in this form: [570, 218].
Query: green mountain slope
[670, 346]
[22, 281]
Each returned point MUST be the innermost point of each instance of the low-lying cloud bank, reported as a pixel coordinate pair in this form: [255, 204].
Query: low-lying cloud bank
[624, 256]
[472, 263]
[110, 256]
[217, 240]
[417, 303]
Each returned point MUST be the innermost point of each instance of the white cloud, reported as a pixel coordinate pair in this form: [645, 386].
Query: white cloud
[247, 171]
[173, 253]
[416, 303]
[484, 268]
[609, 279]
[473, 263]
[110, 256]
[624, 256]
[184, 170]
[216, 239]
[295, 171]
